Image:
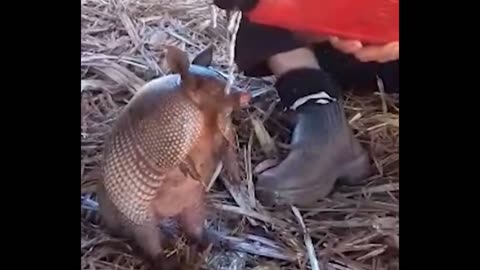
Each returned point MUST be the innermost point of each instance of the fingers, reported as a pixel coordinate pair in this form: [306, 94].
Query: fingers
[346, 46]
[370, 53]
[382, 54]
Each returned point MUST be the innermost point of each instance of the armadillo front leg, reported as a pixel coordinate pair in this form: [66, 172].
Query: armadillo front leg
[147, 236]
[187, 167]
[110, 216]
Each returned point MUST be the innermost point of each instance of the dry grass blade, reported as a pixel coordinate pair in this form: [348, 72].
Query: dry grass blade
[308, 240]
[376, 189]
[260, 249]
[217, 172]
[266, 141]
[92, 85]
[251, 214]
[249, 173]
[213, 9]
[267, 267]
[239, 196]
[233, 27]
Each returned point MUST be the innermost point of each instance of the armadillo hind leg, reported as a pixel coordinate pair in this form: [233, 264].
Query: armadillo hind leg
[109, 215]
[147, 237]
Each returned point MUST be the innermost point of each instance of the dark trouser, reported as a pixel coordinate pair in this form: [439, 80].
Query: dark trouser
[256, 43]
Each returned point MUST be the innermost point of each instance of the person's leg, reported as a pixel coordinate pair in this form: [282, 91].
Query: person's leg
[323, 148]
[256, 44]
[390, 74]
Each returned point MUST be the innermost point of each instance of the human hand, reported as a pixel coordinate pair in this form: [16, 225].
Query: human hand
[367, 53]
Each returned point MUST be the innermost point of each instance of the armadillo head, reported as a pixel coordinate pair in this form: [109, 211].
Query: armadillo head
[203, 84]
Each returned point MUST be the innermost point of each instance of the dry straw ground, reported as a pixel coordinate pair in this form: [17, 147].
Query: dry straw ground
[355, 228]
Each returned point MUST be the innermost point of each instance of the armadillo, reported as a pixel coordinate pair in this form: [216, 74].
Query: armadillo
[164, 149]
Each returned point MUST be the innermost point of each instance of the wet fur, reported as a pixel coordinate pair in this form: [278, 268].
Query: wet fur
[182, 196]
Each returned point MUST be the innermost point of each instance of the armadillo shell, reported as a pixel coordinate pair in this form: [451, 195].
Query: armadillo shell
[153, 134]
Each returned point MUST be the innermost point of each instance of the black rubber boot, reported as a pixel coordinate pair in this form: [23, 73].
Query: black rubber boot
[323, 149]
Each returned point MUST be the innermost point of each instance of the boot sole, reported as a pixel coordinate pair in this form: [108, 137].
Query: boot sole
[354, 173]
[305, 197]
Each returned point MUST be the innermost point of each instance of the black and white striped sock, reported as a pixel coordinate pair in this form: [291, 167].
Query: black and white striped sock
[307, 86]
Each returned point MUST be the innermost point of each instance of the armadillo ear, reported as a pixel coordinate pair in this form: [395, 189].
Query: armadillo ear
[204, 58]
[177, 61]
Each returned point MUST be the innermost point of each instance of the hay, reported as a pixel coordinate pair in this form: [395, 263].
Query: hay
[355, 228]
